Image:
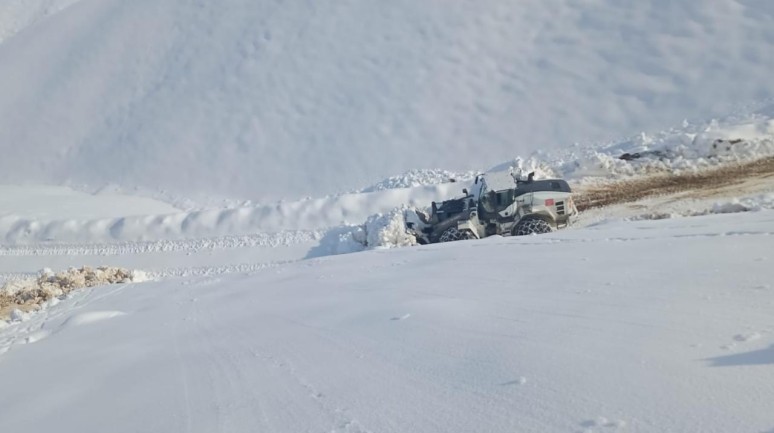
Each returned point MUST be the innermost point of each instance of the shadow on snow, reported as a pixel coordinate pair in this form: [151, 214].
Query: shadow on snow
[757, 357]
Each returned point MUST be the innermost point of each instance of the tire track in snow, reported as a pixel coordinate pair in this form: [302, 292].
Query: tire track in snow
[269, 240]
[165, 258]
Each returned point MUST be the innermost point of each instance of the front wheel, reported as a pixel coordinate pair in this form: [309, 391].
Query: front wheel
[453, 234]
[532, 226]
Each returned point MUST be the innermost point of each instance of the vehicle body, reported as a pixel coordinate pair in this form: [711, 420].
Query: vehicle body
[499, 204]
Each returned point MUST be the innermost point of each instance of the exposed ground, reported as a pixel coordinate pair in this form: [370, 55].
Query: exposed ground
[29, 295]
[701, 184]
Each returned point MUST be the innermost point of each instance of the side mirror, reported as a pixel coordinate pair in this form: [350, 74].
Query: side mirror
[465, 191]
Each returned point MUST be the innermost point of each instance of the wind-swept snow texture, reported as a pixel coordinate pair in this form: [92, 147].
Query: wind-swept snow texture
[16, 15]
[639, 326]
[266, 99]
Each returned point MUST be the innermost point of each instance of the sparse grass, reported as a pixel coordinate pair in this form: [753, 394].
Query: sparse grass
[30, 295]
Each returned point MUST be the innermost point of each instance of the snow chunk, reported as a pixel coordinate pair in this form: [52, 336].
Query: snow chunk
[388, 230]
[522, 167]
[17, 315]
[745, 204]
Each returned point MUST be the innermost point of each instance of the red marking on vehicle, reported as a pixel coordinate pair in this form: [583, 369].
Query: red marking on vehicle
[549, 202]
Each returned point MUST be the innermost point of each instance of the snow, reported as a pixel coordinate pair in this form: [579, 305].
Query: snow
[61, 215]
[745, 204]
[57, 203]
[266, 100]
[16, 15]
[619, 336]
[311, 214]
[691, 147]
[232, 151]
[415, 178]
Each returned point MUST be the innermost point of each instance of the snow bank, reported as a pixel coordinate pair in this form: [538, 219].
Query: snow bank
[688, 148]
[328, 212]
[415, 178]
[17, 297]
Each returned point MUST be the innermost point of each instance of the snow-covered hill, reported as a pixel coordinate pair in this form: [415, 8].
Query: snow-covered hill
[265, 100]
[178, 137]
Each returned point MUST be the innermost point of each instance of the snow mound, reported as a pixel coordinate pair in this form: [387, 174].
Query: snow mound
[388, 230]
[415, 178]
[690, 148]
[745, 204]
[380, 231]
[25, 295]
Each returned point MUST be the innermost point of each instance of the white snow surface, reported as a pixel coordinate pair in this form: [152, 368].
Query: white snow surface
[32, 214]
[645, 326]
[262, 100]
[16, 15]
[691, 147]
[43, 203]
[650, 316]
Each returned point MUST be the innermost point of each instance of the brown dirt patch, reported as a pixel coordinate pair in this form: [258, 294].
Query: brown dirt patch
[667, 184]
[29, 295]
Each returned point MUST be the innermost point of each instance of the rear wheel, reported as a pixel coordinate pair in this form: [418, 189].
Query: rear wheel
[453, 234]
[532, 226]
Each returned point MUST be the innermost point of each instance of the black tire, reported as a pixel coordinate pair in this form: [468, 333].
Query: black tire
[452, 234]
[531, 226]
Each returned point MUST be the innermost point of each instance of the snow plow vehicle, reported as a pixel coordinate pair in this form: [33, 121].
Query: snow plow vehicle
[500, 204]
